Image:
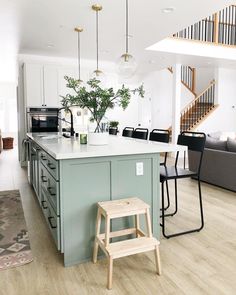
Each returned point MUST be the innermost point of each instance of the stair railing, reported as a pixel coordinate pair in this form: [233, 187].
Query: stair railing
[188, 77]
[218, 28]
[198, 108]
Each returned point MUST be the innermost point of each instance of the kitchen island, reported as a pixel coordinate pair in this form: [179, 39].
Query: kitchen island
[69, 179]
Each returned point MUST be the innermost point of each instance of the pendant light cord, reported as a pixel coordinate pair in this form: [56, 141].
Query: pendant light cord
[97, 36]
[127, 26]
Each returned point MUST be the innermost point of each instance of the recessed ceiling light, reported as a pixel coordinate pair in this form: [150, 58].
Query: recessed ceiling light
[168, 9]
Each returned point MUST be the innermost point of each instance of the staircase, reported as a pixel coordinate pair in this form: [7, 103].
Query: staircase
[198, 109]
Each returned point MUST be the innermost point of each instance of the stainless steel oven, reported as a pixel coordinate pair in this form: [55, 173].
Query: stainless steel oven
[42, 120]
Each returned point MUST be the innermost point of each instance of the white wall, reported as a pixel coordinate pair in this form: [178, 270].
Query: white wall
[158, 86]
[203, 78]
[8, 110]
[224, 117]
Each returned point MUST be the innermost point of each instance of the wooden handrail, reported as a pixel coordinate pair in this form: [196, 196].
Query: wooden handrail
[195, 99]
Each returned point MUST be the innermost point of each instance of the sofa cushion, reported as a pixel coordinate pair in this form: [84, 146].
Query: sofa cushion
[215, 144]
[231, 145]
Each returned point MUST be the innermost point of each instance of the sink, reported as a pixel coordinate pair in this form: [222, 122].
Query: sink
[55, 136]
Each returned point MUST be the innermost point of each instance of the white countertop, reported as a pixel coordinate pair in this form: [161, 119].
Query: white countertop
[69, 148]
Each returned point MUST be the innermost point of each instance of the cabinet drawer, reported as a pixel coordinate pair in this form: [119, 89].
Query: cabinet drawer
[52, 219]
[51, 188]
[50, 163]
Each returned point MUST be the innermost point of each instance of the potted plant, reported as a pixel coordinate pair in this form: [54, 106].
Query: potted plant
[97, 100]
[113, 124]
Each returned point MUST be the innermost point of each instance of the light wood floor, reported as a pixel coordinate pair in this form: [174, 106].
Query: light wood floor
[200, 263]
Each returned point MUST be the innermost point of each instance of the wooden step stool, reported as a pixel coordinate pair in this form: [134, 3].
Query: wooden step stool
[142, 242]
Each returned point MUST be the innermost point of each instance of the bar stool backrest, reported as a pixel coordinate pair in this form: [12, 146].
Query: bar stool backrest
[128, 132]
[195, 141]
[161, 135]
[140, 133]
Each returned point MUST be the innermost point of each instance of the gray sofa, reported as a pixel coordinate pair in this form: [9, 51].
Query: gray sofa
[218, 164]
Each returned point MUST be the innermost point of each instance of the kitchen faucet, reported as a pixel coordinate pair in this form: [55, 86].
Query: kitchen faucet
[72, 131]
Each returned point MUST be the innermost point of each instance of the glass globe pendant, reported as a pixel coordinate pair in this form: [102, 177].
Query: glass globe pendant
[127, 64]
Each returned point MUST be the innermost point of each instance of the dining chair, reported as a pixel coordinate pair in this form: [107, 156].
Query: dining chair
[128, 132]
[195, 141]
[140, 133]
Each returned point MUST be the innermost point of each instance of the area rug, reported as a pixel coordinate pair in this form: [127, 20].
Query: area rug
[14, 240]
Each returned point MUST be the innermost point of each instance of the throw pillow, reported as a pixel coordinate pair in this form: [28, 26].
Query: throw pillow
[231, 145]
[215, 144]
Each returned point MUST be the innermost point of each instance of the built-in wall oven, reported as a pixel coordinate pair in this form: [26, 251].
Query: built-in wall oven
[42, 120]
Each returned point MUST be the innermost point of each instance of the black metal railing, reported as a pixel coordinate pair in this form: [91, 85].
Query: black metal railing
[198, 108]
[218, 28]
[227, 26]
[201, 31]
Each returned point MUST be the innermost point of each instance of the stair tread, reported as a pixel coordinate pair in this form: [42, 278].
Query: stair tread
[131, 246]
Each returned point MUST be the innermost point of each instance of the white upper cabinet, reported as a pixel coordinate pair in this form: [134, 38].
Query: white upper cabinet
[33, 84]
[50, 82]
[43, 84]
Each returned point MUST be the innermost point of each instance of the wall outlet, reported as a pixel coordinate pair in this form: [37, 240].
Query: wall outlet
[139, 168]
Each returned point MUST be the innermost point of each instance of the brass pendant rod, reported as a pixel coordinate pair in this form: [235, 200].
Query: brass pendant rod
[79, 54]
[97, 36]
[127, 26]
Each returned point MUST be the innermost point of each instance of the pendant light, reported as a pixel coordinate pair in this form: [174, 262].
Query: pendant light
[79, 30]
[127, 64]
[97, 73]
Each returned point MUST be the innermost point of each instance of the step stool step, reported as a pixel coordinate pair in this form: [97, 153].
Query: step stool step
[123, 207]
[132, 246]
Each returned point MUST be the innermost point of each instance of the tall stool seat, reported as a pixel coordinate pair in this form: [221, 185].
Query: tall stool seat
[142, 243]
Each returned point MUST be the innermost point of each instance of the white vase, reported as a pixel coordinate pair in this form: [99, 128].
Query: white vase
[100, 138]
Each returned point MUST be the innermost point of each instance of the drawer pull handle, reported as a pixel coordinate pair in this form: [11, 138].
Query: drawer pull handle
[51, 166]
[44, 207]
[50, 222]
[43, 157]
[44, 178]
[50, 191]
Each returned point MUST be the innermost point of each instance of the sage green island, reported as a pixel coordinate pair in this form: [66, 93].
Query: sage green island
[70, 178]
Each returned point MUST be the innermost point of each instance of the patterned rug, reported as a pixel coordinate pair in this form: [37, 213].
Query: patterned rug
[14, 239]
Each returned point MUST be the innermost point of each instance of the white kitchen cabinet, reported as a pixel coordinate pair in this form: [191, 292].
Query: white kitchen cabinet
[50, 82]
[41, 85]
[33, 85]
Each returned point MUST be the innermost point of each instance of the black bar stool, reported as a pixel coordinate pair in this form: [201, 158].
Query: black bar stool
[140, 133]
[195, 141]
[128, 132]
[113, 130]
[161, 135]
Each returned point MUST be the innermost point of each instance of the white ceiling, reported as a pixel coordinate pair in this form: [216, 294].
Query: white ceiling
[29, 26]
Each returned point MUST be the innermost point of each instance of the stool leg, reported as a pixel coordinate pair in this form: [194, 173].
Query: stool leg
[137, 225]
[148, 221]
[98, 225]
[158, 261]
[110, 270]
[107, 230]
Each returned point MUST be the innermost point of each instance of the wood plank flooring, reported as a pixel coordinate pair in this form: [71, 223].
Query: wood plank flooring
[199, 263]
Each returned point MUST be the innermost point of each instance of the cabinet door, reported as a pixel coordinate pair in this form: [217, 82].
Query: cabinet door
[33, 85]
[50, 79]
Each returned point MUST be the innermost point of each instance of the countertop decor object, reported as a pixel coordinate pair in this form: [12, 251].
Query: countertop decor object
[98, 99]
